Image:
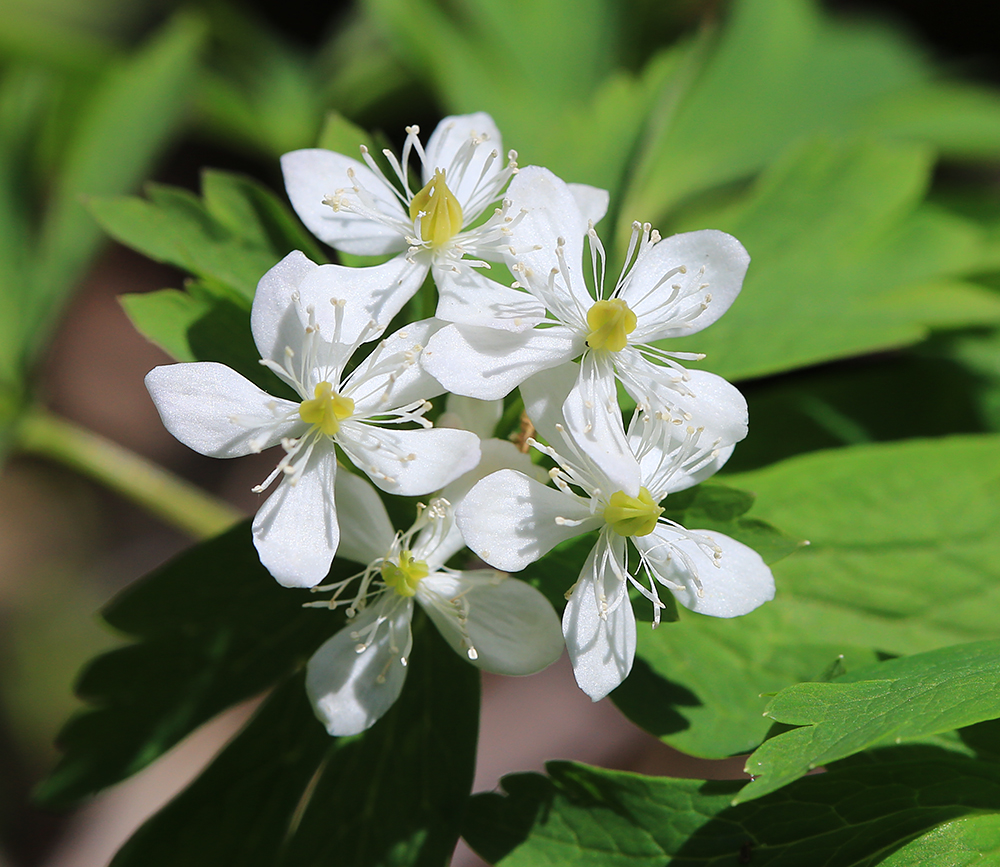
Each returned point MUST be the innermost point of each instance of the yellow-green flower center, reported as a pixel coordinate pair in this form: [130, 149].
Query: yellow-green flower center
[327, 409]
[632, 516]
[439, 211]
[610, 322]
[404, 576]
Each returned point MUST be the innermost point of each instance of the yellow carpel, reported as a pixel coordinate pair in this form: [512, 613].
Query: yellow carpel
[632, 516]
[327, 409]
[439, 211]
[610, 323]
[403, 577]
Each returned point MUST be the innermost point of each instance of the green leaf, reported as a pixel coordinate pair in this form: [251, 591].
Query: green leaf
[890, 526]
[199, 326]
[890, 702]
[165, 317]
[212, 628]
[175, 227]
[255, 214]
[229, 238]
[971, 840]
[873, 269]
[128, 122]
[780, 71]
[285, 793]
[909, 809]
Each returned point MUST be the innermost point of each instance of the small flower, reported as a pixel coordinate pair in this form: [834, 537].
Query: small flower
[217, 412]
[354, 207]
[511, 520]
[668, 288]
[498, 623]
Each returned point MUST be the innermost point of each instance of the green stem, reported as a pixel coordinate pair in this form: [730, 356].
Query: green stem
[170, 498]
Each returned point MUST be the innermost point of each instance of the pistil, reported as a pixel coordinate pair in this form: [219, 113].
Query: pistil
[438, 210]
[610, 323]
[327, 409]
[632, 516]
[404, 576]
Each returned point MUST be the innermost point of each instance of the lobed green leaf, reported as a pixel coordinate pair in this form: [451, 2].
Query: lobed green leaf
[907, 809]
[875, 270]
[889, 702]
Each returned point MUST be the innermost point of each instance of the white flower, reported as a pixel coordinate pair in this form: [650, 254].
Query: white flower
[217, 412]
[497, 622]
[354, 207]
[669, 288]
[511, 520]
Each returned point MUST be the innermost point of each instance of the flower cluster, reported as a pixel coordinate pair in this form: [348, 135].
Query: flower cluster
[559, 332]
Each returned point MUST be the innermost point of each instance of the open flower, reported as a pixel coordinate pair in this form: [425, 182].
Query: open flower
[668, 288]
[498, 623]
[511, 520]
[354, 207]
[217, 412]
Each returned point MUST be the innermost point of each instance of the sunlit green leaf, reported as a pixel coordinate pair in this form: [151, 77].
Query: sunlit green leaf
[165, 317]
[844, 261]
[173, 226]
[890, 702]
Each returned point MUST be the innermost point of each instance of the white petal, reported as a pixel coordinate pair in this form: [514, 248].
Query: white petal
[351, 691]
[496, 455]
[295, 531]
[511, 626]
[737, 585]
[366, 532]
[275, 319]
[447, 149]
[544, 395]
[509, 520]
[594, 420]
[313, 174]
[701, 400]
[373, 294]
[409, 462]
[715, 265]
[688, 474]
[551, 213]
[469, 413]
[215, 411]
[488, 363]
[469, 297]
[601, 648]
[592, 201]
[392, 376]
